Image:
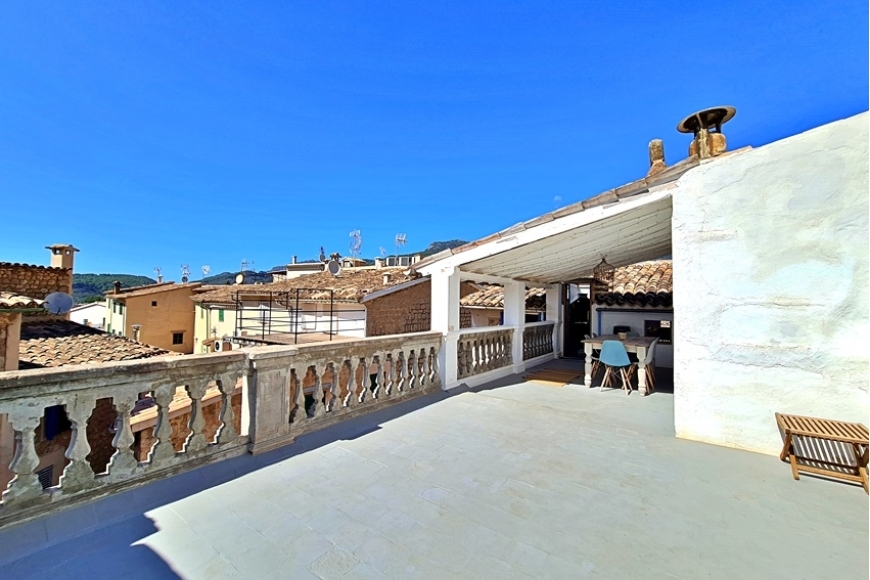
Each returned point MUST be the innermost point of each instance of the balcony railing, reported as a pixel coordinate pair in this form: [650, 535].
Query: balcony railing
[484, 350]
[537, 340]
[285, 391]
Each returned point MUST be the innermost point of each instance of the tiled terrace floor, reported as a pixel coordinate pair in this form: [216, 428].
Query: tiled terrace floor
[514, 481]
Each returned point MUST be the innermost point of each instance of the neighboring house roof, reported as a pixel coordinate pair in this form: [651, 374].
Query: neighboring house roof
[351, 285]
[135, 291]
[492, 296]
[20, 265]
[56, 343]
[642, 284]
[78, 307]
[12, 301]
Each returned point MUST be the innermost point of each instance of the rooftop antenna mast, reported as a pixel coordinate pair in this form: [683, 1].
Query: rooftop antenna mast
[400, 241]
[205, 270]
[245, 264]
[185, 273]
[158, 271]
[355, 243]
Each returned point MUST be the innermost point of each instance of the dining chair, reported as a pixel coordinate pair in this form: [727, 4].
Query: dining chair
[615, 360]
[649, 367]
[596, 356]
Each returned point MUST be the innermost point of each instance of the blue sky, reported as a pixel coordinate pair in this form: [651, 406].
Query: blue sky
[163, 133]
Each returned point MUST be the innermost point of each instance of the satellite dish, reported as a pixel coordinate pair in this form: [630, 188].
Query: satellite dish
[184, 279]
[240, 278]
[334, 267]
[58, 303]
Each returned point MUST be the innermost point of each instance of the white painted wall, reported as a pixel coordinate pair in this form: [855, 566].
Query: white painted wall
[93, 315]
[664, 352]
[770, 251]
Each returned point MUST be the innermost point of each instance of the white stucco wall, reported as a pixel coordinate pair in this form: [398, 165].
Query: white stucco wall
[93, 315]
[614, 316]
[770, 251]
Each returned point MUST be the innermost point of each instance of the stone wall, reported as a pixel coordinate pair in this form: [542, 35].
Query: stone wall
[408, 310]
[771, 287]
[34, 281]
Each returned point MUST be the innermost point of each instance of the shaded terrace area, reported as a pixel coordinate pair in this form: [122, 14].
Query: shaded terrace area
[509, 480]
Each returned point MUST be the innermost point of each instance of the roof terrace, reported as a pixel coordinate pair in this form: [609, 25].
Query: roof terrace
[509, 480]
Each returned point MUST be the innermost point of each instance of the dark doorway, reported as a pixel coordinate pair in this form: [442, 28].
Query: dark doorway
[577, 318]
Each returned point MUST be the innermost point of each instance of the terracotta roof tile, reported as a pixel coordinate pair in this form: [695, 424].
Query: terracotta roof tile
[149, 289]
[11, 301]
[56, 343]
[643, 284]
[492, 296]
[351, 285]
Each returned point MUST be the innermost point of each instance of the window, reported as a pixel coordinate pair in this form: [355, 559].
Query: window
[85, 321]
[177, 338]
[153, 303]
[221, 315]
[201, 313]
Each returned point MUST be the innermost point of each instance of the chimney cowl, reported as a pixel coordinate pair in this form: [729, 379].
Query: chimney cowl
[387, 277]
[706, 126]
[117, 285]
[294, 259]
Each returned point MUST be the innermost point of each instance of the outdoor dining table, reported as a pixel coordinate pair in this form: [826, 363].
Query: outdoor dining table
[637, 344]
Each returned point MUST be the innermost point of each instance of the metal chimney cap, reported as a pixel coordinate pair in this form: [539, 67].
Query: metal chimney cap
[712, 117]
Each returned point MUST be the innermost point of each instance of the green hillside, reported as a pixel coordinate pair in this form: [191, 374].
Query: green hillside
[91, 287]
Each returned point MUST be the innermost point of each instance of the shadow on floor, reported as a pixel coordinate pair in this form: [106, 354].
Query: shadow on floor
[69, 539]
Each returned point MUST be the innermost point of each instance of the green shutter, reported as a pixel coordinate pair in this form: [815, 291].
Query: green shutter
[221, 315]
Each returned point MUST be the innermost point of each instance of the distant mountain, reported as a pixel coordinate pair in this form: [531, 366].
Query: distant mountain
[436, 247]
[91, 287]
[251, 277]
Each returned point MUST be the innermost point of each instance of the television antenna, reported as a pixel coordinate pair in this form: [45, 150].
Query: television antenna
[158, 271]
[356, 243]
[400, 241]
[322, 254]
[245, 264]
[205, 270]
[185, 273]
[383, 251]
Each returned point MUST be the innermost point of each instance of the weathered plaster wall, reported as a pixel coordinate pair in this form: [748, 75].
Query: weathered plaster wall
[173, 313]
[770, 252]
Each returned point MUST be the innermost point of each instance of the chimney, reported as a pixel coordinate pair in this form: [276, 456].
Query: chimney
[62, 255]
[117, 286]
[387, 276]
[159, 278]
[379, 263]
[656, 157]
[294, 259]
[706, 126]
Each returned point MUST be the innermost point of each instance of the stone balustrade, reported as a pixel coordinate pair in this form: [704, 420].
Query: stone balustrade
[537, 339]
[286, 391]
[484, 350]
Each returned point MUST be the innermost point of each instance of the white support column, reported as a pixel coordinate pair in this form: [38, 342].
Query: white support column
[555, 312]
[515, 315]
[445, 319]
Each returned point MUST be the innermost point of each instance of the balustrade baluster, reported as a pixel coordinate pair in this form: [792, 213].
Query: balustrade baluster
[297, 399]
[352, 397]
[196, 440]
[413, 378]
[393, 378]
[317, 408]
[163, 451]
[78, 474]
[123, 463]
[24, 489]
[378, 362]
[329, 394]
[227, 430]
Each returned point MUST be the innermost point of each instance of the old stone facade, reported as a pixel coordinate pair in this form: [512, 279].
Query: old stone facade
[34, 281]
[408, 310]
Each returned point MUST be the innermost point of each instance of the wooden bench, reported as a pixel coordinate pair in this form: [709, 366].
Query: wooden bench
[825, 447]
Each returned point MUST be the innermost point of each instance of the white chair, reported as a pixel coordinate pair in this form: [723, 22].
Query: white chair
[649, 366]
